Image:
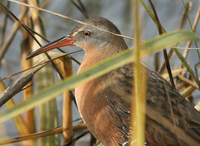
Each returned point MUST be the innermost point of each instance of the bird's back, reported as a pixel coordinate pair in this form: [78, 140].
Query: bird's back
[170, 119]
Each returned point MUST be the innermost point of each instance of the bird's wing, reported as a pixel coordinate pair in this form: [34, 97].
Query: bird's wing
[177, 116]
[117, 91]
[161, 99]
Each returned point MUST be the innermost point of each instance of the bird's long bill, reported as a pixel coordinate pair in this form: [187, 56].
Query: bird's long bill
[64, 41]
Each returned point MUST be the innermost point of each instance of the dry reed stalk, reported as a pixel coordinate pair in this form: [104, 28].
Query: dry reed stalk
[18, 120]
[44, 78]
[25, 48]
[64, 64]
[28, 92]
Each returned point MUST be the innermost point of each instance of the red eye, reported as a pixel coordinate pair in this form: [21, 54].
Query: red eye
[86, 33]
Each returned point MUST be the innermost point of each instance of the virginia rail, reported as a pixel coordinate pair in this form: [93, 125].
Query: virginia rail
[104, 103]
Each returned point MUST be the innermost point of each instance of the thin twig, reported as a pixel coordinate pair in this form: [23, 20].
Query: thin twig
[25, 27]
[4, 25]
[49, 42]
[40, 134]
[164, 50]
[76, 138]
[66, 17]
[38, 65]
[182, 26]
[196, 20]
[80, 9]
[12, 33]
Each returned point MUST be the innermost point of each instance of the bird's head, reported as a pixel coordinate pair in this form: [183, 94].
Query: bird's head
[88, 37]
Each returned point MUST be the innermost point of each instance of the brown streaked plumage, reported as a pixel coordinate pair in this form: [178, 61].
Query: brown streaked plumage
[104, 103]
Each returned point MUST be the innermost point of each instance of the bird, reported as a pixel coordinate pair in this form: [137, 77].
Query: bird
[104, 103]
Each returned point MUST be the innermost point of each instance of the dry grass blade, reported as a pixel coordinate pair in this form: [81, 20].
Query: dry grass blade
[17, 86]
[189, 82]
[4, 25]
[40, 134]
[66, 17]
[45, 3]
[184, 16]
[11, 35]
[162, 68]
[188, 91]
[80, 9]
[29, 32]
[82, 6]
[193, 29]
[178, 53]
[18, 120]
[150, 13]
[64, 54]
[77, 137]
[186, 64]
[164, 50]
[175, 71]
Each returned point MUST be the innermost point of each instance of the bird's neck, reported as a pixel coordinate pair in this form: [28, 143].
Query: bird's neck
[94, 56]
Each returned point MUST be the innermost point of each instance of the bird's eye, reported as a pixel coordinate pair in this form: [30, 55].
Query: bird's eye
[86, 33]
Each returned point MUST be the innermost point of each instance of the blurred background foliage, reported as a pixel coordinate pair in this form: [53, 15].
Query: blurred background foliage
[20, 44]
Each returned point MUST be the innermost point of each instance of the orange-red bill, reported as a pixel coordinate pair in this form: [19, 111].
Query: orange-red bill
[64, 41]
